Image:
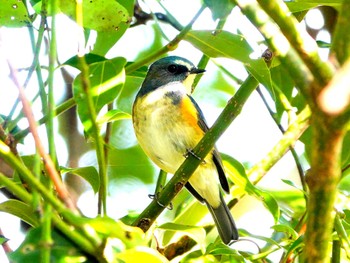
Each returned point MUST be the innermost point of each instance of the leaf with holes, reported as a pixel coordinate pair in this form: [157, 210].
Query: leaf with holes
[13, 13]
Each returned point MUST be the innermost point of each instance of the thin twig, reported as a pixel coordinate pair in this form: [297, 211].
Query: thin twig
[292, 150]
[50, 167]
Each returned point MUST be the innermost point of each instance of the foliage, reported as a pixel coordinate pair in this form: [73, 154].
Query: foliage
[298, 89]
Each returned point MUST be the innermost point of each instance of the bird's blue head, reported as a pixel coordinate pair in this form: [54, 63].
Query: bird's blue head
[169, 70]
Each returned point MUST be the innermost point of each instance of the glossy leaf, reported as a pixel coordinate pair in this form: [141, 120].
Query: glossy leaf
[132, 85]
[221, 44]
[290, 232]
[3, 239]
[90, 58]
[106, 80]
[89, 173]
[141, 254]
[20, 210]
[344, 184]
[13, 13]
[198, 256]
[260, 72]
[62, 249]
[105, 40]
[296, 245]
[345, 160]
[303, 5]
[285, 84]
[108, 228]
[113, 115]
[106, 15]
[245, 233]
[196, 233]
[219, 9]
[218, 248]
[290, 201]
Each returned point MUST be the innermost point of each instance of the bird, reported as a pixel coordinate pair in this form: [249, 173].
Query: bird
[168, 124]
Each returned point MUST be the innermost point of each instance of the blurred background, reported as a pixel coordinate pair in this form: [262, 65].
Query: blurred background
[131, 175]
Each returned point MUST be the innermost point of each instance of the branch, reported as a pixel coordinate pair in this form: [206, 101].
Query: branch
[341, 39]
[278, 43]
[329, 128]
[290, 136]
[300, 40]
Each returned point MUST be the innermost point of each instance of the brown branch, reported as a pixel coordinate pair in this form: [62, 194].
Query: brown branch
[50, 167]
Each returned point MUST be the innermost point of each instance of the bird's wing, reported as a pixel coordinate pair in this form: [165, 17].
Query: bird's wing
[216, 156]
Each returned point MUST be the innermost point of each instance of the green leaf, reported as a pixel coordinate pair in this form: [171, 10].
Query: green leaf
[132, 85]
[3, 240]
[218, 248]
[195, 232]
[89, 173]
[21, 210]
[296, 245]
[290, 232]
[13, 13]
[219, 9]
[221, 44]
[323, 44]
[106, 80]
[198, 256]
[347, 215]
[113, 115]
[303, 5]
[245, 233]
[62, 249]
[109, 228]
[291, 183]
[89, 59]
[345, 157]
[260, 71]
[236, 172]
[105, 40]
[292, 202]
[344, 184]
[285, 84]
[100, 15]
[141, 254]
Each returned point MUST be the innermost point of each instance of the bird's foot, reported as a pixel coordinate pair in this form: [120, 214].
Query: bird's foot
[155, 197]
[190, 151]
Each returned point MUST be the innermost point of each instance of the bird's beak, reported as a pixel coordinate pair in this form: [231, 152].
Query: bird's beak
[197, 71]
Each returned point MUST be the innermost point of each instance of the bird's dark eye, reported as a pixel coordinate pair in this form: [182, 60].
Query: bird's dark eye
[172, 68]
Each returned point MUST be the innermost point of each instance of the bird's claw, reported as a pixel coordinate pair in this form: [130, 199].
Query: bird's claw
[190, 151]
[155, 196]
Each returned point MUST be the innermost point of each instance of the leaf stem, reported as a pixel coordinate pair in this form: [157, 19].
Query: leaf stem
[292, 150]
[95, 130]
[290, 136]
